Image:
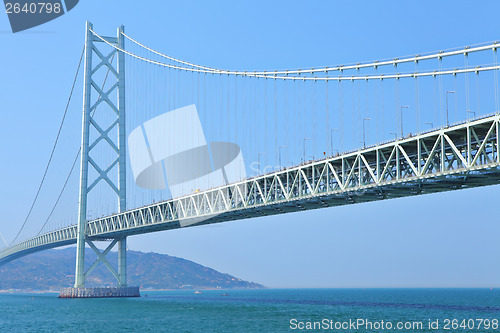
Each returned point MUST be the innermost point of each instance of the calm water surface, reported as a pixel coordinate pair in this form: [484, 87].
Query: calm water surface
[269, 310]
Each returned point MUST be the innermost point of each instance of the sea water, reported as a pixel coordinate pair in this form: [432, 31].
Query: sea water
[265, 310]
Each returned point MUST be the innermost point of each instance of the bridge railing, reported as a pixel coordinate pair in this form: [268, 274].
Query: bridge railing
[440, 153]
[63, 236]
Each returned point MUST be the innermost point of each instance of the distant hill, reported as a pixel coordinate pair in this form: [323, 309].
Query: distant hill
[53, 269]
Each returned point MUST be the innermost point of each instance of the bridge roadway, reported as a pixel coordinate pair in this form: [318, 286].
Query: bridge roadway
[450, 158]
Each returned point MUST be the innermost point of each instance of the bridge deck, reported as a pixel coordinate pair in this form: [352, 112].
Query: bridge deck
[460, 156]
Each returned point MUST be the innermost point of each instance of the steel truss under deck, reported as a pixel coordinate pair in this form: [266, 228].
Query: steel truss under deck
[461, 156]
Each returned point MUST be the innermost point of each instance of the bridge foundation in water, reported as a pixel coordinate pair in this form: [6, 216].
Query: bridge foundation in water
[99, 292]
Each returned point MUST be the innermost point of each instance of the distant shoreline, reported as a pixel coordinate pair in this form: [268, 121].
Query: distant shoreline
[29, 291]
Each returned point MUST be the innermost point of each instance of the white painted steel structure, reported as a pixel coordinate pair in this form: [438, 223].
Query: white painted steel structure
[450, 158]
[460, 156]
[92, 87]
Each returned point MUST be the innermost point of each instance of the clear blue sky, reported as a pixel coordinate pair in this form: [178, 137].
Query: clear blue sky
[447, 239]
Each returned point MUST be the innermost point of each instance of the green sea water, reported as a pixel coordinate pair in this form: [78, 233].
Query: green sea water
[268, 310]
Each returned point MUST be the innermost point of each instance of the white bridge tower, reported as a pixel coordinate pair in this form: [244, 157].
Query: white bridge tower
[94, 94]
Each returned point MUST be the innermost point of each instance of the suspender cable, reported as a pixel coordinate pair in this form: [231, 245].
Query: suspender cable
[236, 110]
[382, 106]
[417, 98]
[378, 116]
[478, 95]
[287, 115]
[327, 120]
[341, 112]
[352, 144]
[495, 79]
[265, 117]
[358, 121]
[396, 103]
[441, 109]
[435, 99]
[275, 111]
[467, 100]
[455, 88]
[366, 113]
[293, 102]
[314, 133]
[228, 112]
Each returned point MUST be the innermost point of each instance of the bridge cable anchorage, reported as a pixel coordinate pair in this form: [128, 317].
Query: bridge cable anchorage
[73, 166]
[273, 74]
[52, 152]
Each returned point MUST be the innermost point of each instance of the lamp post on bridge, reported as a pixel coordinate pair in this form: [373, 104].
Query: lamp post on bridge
[395, 135]
[430, 124]
[304, 149]
[473, 112]
[448, 92]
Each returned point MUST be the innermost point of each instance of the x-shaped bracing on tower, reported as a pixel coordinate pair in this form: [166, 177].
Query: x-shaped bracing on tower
[117, 146]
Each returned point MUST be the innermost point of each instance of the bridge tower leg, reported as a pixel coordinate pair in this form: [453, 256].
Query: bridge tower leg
[82, 201]
[91, 87]
[122, 162]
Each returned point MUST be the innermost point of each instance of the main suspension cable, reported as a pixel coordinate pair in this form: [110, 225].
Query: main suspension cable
[274, 74]
[371, 64]
[168, 57]
[3, 239]
[53, 150]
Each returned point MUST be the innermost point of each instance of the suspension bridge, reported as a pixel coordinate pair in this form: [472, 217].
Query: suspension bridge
[322, 118]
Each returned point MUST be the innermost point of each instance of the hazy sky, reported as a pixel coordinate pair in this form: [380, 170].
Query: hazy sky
[447, 239]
